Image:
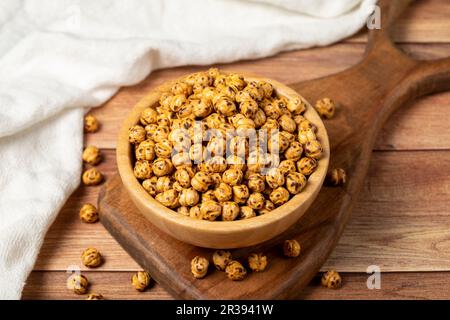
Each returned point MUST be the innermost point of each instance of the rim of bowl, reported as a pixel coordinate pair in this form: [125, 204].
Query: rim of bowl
[131, 183]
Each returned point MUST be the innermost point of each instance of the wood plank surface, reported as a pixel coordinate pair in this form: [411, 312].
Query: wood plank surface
[401, 221]
[413, 127]
[116, 285]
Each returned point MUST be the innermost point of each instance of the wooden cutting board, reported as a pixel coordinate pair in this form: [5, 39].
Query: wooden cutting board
[367, 94]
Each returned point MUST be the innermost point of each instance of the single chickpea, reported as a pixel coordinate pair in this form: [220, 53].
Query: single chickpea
[216, 164]
[209, 196]
[294, 152]
[331, 280]
[177, 102]
[272, 110]
[141, 280]
[202, 108]
[214, 120]
[259, 118]
[164, 120]
[267, 89]
[89, 213]
[164, 183]
[235, 81]
[145, 151]
[92, 155]
[254, 90]
[181, 88]
[143, 169]
[295, 182]
[256, 201]
[95, 296]
[91, 258]
[169, 199]
[184, 211]
[148, 116]
[150, 130]
[235, 271]
[221, 258]
[268, 206]
[256, 182]
[270, 125]
[236, 162]
[257, 262]
[210, 210]
[307, 166]
[326, 108]
[239, 146]
[232, 177]
[180, 139]
[201, 181]
[189, 197]
[313, 149]
[216, 146]
[287, 166]
[278, 143]
[275, 178]
[240, 194]
[194, 212]
[305, 124]
[248, 108]
[296, 106]
[136, 134]
[181, 160]
[92, 177]
[287, 123]
[337, 176]
[91, 124]
[225, 106]
[291, 248]
[304, 136]
[162, 167]
[77, 283]
[279, 196]
[161, 133]
[150, 185]
[230, 211]
[223, 192]
[196, 153]
[184, 176]
[247, 213]
[199, 267]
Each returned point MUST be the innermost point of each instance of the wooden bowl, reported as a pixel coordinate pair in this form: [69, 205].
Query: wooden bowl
[220, 234]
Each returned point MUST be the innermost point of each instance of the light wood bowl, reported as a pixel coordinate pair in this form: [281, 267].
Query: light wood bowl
[220, 234]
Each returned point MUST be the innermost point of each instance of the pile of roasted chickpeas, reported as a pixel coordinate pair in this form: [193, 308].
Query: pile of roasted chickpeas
[218, 147]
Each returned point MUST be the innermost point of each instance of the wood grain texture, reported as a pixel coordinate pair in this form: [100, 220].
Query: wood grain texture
[413, 127]
[116, 285]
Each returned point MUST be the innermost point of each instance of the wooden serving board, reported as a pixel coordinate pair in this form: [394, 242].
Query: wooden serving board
[367, 95]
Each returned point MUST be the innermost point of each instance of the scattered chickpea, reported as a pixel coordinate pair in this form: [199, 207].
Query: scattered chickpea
[77, 283]
[91, 155]
[235, 271]
[326, 108]
[91, 258]
[91, 124]
[92, 177]
[337, 177]
[257, 262]
[199, 267]
[141, 280]
[221, 258]
[331, 280]
[89, 213]
[291, 248]
[95, 296]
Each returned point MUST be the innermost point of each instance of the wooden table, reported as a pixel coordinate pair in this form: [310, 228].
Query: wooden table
[401, 222]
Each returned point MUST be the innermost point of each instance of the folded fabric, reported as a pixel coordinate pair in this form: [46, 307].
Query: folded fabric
[58, 58]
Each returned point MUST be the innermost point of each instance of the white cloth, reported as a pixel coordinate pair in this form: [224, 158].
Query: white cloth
[59, 57]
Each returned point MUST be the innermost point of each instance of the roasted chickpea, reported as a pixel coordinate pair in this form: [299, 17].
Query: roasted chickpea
[305, 124]
[161, 133]
[331, 280]
[267, 89]
[208, 196]
[223, 192]
[92, 177]
[91, 258]
[256, 201]
[150, 185]
[180, 139]
[194, 212]
[268, 206]
[313, 149]
[235, 271]
[230, 210]
[254, 90]
[143, 169]
[88, 213]
[201, 181]
[259, 118]
[225, 106]
[162, 167]
[221, 258]
[291, 248]
[189, 197]
[136, 134]
[91, 124]
[213, 121]
[296, 106]
[141, 280]
[92, 155]
[275, 178]
[196, 153]
[287, 123]
[77, 283]
[181, 159]
[216, 146]
[164, 119]
[287, 166]
[272, 110]
[279, 196]
[148, 116]
[257, 262]
[240, 194]
[294, 152]
[163, 148]
[145, 151]
[235, 81]
[270, 125]
[278, 143]
[202, 108]
[216, 164]
[337, 176]
[326, 108]
[184, 211]
[169, 199]
[295, 182]
[184, 176]
[248, 108]
[307, 166]
[232, 177]
[235, 162]
[256, 160]
[163, 184]
[304, 136]
[210, 210]
[150, 130]
[199, 267]
[246, 213]
[181, 88]
[95, 296]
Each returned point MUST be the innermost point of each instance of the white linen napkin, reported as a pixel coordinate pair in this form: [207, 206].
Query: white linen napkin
[59, 57]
